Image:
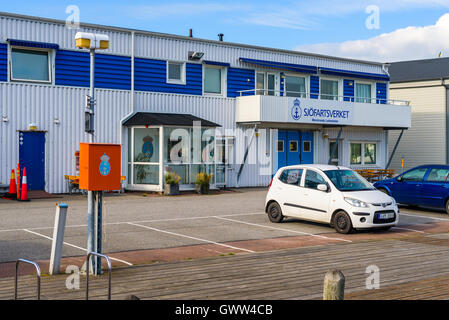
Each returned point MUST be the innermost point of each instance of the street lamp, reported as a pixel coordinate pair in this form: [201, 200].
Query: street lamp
[92, 42]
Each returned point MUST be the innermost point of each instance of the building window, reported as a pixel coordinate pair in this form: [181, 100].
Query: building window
[306, 146]
[368, 157]
[329, 89]
[30, 65]
[293, 146]
[334, 159]
[280, 146]
[295, 86]
[176, 72]
[356, 153]
[213, 80]
[363, 92]
[265, 83]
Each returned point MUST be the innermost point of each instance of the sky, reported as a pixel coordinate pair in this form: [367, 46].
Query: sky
[377, 30]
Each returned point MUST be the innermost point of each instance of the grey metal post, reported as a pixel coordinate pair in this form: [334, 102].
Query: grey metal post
[58, 238]
[99, 231]
[90, 194]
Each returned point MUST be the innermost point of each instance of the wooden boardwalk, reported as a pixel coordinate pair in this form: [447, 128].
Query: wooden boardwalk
[286, 274]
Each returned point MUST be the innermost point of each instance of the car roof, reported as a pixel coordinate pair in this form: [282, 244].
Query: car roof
[322, 167]
[433, 166]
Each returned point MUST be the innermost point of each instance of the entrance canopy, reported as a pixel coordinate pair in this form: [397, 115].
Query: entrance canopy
[166, 119]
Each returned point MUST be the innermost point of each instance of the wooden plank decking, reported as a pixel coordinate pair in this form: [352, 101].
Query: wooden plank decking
[286, 274]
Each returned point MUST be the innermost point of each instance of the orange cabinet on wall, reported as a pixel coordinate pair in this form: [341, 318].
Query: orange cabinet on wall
[100, 166]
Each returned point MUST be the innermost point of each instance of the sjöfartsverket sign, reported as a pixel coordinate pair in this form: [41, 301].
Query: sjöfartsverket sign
[306, 111]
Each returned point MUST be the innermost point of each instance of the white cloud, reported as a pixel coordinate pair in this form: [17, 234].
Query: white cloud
[403, 44]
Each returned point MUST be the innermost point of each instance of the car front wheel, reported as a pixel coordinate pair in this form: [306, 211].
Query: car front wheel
[342, 223]
[275, 212]
[447, 206]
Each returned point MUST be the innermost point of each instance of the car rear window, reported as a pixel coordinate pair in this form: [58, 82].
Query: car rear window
[291, 176]
[438, 175]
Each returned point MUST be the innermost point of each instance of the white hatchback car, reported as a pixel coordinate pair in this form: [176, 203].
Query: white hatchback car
[330, 194]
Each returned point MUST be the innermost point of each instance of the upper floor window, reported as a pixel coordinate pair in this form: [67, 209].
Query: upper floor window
[295, 86]
[329, 89]
[265, 83]
[30, 65]
[363, 92]
[213, 80]
[176, 72]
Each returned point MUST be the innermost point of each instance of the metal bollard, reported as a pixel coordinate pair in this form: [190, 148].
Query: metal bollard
[58, 238]
[334, 285]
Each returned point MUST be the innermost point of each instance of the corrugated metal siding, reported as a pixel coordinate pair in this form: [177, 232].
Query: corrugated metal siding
[314, 87]
[348, 89]
[111, 72]
[425, 141]
[151, 75]
[34, 30]
[381, 92]
[239, 80]
[40, 104]
[3, 62]
[177, 49]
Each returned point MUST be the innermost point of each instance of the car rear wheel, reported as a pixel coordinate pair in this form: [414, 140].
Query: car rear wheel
[275, 213]
[342, 223]
[447, 206]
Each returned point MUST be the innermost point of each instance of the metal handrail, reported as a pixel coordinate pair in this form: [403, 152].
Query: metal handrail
[87, 272]
[38, 273]
[300, 94]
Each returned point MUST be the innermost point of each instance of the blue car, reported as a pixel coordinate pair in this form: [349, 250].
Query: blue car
[426, 185]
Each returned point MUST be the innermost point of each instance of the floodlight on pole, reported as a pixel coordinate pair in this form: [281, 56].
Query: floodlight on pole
[92, 42]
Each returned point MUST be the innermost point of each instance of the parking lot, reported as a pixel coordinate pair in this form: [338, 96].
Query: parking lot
[232, 221]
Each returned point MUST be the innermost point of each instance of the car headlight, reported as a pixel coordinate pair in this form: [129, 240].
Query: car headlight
[356, 203]
[394, 201]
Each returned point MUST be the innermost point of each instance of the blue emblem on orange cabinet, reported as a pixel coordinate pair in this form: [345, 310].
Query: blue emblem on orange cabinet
[105, 166]
[296, 111]
[148, 146]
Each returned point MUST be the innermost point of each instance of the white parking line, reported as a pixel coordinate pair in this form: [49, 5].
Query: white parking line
[74, 246]
[421, 216]
[407, 229]
[281, 229]
[189, 237]
[139, 221]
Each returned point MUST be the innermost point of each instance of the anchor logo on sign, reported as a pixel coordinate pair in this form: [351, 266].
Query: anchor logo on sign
[296, 111]
[105, 166]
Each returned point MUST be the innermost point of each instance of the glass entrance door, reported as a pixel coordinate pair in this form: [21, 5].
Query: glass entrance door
[225, 149]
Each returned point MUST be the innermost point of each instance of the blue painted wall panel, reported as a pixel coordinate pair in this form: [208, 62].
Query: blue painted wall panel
[3, 62]
[151, 75]
[348, 90]
[72, 68]
[314, 87]
[240, 80]
[381, 92]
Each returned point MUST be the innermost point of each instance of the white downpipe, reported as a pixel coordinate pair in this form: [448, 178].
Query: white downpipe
[131, 100]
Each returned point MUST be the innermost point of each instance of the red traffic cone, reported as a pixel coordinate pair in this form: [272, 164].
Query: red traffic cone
[24, 196]
[18, 181]
[12, 193]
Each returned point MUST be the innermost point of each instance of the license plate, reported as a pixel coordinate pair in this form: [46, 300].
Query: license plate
[388, 215]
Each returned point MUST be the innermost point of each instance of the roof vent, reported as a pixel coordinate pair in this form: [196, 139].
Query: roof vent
[220, 36]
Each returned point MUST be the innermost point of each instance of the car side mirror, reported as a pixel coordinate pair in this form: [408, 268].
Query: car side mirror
[322, 187]
[399, 179]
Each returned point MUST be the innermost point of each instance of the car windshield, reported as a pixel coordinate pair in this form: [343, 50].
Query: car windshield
[348, 180]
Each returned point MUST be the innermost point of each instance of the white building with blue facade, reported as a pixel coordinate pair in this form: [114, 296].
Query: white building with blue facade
[258, 108]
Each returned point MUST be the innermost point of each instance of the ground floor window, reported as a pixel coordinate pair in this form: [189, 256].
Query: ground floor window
[153, 152]
[363, 153]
